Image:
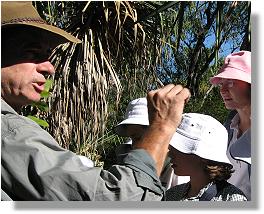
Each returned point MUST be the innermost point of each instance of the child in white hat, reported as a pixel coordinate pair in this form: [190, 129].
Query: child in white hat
[198, 149]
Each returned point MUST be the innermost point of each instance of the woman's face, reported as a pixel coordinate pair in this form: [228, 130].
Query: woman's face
[235, 93]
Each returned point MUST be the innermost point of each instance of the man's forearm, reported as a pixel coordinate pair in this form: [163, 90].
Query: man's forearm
[155, 142]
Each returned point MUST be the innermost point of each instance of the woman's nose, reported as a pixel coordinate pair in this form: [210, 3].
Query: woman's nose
[224, 89]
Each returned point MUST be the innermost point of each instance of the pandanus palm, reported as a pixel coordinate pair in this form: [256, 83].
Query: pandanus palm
[127, 48]
[89, 74]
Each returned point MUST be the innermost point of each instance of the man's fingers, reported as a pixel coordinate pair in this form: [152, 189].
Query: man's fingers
[162, 91]
[171, 91]
[185, 94]
[175, 90]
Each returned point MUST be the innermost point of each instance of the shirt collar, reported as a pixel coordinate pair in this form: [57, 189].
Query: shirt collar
[235, 122]
[5, 108]
[201, 192]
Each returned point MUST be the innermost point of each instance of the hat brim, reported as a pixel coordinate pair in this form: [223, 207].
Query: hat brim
[61, 35]
[181, 143]
[120, 128]
[231, 73]
[187, 146]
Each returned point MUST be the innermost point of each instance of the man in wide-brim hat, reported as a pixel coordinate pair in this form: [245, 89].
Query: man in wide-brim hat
[24, 34]
[33, 165]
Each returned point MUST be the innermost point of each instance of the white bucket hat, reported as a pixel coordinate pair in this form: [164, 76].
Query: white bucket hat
[136, 113]
[203, 136]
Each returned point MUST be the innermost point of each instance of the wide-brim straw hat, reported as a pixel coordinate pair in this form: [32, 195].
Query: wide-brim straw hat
[23, 13]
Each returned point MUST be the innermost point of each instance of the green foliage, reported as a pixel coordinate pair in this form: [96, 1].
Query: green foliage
[130, 47]
[42, 105]
[213, 105]
[42, 123]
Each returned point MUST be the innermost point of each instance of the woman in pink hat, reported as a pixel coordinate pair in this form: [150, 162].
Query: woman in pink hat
[234, 81]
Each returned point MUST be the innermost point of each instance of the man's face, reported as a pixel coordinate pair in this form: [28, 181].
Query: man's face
[24, 67]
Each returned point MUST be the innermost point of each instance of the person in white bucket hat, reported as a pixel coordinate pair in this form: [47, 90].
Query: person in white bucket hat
[136, 116]
[134, 126]
[198, 149]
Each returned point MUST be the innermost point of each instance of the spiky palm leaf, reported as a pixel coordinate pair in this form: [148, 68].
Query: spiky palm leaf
[89, 74]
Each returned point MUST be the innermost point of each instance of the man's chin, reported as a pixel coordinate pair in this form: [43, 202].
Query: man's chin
[33, 99]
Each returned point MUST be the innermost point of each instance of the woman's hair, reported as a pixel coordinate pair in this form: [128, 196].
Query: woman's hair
[217, 171]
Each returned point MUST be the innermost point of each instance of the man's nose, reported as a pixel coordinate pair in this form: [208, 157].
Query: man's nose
[46, 67]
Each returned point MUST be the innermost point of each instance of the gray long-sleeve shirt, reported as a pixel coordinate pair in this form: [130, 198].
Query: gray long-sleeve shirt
[35, 167]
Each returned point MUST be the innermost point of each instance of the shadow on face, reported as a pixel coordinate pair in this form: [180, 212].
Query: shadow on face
[21, 44]
[184, 164]
[135, 131]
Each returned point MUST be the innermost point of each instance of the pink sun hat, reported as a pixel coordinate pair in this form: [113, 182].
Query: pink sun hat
[236, 66]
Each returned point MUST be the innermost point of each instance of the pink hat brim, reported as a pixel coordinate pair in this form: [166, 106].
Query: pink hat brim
[231, 73]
